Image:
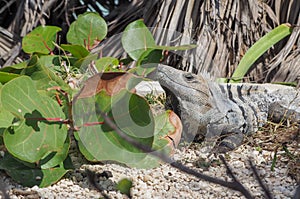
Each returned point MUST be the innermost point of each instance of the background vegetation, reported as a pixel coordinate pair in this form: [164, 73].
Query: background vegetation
[223, 29]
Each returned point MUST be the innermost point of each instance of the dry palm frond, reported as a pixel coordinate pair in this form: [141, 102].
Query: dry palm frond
[19, 18]
[9, 49]
[28, 14]
[224, 30]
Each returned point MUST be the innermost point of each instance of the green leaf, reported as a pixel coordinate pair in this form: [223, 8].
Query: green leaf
[28, 176]
[150, 56]
[40, 40]
[126, 61]
[259, 48]
[77, 51]
[132, 115]
[293, 84]
[163, 128]
[38, 70]
[222, 80]
[6, 118]
[36, 131]
[6, 77]
[107, 64]
[55, 158]
[83, 150]
[137, 39]
[133, 81]
[148, 62]
[16, 68]
[88, 30]
[124, 186]
[83, 63]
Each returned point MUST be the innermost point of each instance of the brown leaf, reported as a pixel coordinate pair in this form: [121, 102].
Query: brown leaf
[111, 82]
[175, 136]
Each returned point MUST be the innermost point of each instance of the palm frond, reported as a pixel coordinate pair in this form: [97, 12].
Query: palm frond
[223, 29]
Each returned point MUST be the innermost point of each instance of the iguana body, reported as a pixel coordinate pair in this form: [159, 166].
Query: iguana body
[226, 112]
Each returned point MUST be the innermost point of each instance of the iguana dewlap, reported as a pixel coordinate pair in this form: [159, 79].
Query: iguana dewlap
[226, 112]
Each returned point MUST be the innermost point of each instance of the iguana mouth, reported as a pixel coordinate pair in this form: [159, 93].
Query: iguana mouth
[172, 102]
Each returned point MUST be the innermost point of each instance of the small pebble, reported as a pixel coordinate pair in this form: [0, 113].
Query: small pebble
[168, 182]
[147, 178]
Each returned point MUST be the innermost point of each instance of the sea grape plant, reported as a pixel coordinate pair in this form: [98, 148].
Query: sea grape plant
[40, 111]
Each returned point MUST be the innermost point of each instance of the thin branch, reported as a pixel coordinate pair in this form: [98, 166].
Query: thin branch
[235, 185]
[228, 168]
[92, 179]
[261, 184]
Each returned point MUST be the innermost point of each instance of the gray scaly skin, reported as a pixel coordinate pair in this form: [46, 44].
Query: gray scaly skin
[226, 112]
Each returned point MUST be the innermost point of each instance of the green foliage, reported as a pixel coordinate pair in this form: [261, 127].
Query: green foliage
[142, 40]
[259, 48]
[77, 51]
[107, 64]
[39, 69]
[32, 175]
[137, 39]
[31, 136]
[37, 107]
[163, 127]
[40, 40]
[101, 141]
[6, 77]
[124, 186]
[87, 31]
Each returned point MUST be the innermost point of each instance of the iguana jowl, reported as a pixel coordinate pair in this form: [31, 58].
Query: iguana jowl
[226, 112]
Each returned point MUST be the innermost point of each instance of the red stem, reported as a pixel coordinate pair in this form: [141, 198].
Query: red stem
[54, 119]
[48, 47]
[92, 123]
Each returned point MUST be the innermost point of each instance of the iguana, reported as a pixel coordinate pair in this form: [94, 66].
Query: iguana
[226, 112]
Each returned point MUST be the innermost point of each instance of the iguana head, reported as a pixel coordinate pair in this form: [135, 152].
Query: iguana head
[190, 98]
[204, 109]
[184, 85]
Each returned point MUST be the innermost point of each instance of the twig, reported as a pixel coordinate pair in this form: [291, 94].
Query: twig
[235, 185]
[92, 179]
[261, 184]
[228, 168]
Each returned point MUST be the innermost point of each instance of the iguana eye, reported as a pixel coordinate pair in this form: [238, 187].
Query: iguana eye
[189, 76]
